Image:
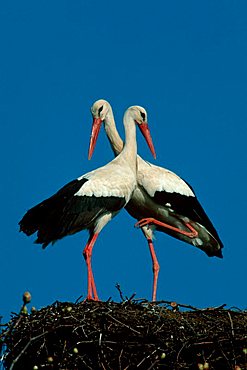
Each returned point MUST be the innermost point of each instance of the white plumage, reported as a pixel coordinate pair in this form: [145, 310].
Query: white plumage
[114, 179]
[154, 178]
[93, 199]
[162, 200]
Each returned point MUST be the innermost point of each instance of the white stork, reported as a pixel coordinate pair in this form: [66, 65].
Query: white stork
[162, 201]
[93, 199]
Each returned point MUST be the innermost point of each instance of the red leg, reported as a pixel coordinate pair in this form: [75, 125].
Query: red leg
[151, 221]
[87, 254]
[96, 298]
[156, 267]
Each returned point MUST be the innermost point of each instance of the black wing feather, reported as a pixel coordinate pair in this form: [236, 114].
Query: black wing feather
[65, 213]
[187, 206]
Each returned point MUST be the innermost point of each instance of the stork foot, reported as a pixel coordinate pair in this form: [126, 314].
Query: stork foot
[144, 222]
[91, 298]
[152, 221]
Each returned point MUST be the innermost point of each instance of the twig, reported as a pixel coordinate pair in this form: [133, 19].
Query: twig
[170, 303]
[230, 318]
[131, 297]
[78, 299]
[183, 346]
[119, 359]
[152, 366]
[233, 334]
[223, 353]
[100, 339]
[120, 292]
[24, 349]
[145, 358]
[119, 322]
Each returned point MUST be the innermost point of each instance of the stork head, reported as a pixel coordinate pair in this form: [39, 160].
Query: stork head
[139, 115]
[99, 111]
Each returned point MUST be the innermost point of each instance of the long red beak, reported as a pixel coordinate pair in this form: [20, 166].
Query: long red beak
[146, 133]
[94, 135]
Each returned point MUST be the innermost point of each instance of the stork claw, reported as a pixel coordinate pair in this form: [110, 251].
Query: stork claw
[90, 298]
[149, 221]
[144, 222]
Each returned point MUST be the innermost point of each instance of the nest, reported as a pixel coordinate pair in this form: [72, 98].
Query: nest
[133, 334]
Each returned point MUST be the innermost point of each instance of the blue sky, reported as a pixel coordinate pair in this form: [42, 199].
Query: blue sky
[185, 62]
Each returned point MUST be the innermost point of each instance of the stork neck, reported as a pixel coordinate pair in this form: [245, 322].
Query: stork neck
[112, 133]
[130, 147]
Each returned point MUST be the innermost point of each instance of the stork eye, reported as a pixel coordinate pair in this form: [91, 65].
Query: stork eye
[143, 116]
[100, 109]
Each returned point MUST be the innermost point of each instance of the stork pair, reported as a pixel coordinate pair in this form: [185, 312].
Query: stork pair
[155, 196]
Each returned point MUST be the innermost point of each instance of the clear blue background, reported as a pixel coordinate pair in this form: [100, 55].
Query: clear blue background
[185, 62]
